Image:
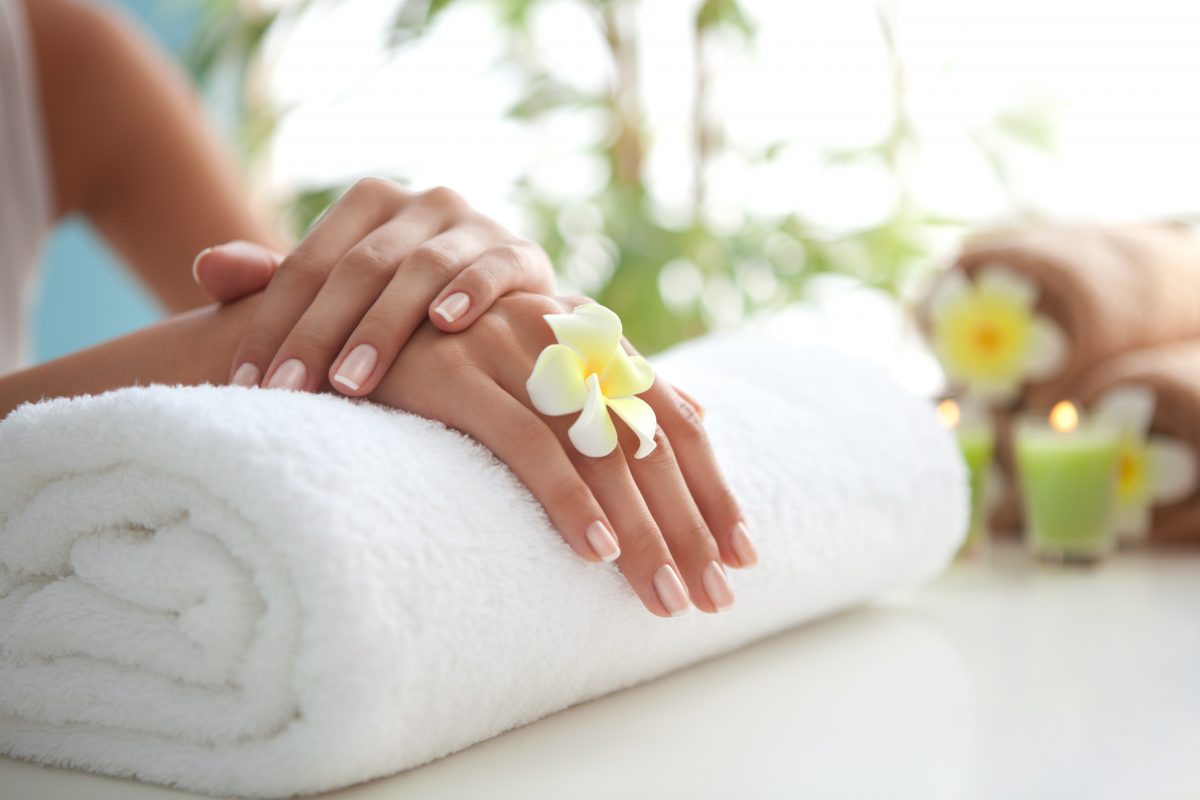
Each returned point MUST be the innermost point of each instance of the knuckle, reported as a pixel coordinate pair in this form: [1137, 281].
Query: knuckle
[607, 468]
[662, 458]
[303, 268]
[368, 261]
[697, 534]
[484, 282]
[725, 504]
[493, 327]
[383, 322]
[372, 187]
[569, 494]
[644, 544]
[437, 259]
[258, 342]
[444, 197]
[525, 434]
[515, 254]
[687, 424]
[305, 341]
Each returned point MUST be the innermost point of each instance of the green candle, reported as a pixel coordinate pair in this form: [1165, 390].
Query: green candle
[976, 442]
[1068, 480]
[977, 445]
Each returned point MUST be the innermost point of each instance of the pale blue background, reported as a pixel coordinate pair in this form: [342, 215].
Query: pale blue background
[85, 296]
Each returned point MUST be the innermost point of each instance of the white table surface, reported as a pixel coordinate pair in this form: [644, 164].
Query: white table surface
[998, 680]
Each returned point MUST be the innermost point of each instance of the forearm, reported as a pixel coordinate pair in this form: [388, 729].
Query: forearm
[132, 149]
[192, 348]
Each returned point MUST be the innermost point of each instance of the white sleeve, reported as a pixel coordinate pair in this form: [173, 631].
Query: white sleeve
[26, 201]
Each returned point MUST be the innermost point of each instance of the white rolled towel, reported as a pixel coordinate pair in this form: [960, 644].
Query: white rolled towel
[263, 593]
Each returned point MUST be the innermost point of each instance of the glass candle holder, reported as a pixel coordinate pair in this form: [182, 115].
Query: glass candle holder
[977, 442]
[1068, 474]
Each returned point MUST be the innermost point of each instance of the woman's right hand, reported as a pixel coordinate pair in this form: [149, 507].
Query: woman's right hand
[666, 516]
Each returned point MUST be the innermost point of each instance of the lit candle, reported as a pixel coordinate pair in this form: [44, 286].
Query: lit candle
[1068, 471]
[977, 442]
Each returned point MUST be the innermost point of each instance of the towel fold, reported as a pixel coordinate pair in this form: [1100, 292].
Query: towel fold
[1111, 288]
[265, 593]
[1172, 373]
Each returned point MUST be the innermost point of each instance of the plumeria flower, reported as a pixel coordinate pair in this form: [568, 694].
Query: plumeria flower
[988, 338]
[589, 372]
[1152, 469]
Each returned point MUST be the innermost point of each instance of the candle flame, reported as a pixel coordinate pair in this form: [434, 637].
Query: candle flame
[1064, 418]
[948, 414]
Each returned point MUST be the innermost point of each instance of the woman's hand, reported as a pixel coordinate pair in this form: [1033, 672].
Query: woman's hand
[661, 517]
[344, 302]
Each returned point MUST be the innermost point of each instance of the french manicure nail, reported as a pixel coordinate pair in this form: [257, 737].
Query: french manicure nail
[716, 583]
[357, 367]
[602, 541]
[290, 375]
[743, 548]
[196, 262]
[246, 375]
[454, 306]
[671, 591]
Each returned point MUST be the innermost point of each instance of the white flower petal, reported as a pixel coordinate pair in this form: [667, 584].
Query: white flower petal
[639, 416]
[594, 434]
[1000, 280]
[591, 330]
[1048, 349]
[1133, 522]
[626, 375]
[950, 288]
[1130, 408]
[1172, 469]
[556, 385]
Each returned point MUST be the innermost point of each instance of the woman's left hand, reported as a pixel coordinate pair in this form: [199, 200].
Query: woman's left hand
[345, 301]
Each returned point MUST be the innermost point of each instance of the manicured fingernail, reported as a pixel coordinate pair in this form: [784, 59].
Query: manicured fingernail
[357, 367]
[453, 306]
[716, 583]
[671, 591]
[743, 548]
[290, 375]
[196, 262]
[602, 541]
[246, 375]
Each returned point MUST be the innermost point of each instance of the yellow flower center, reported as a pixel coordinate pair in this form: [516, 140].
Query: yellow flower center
[989, 339]
[984, 337]
[1132, 469]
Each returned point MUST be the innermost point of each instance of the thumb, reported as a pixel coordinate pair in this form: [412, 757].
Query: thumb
[235, 269]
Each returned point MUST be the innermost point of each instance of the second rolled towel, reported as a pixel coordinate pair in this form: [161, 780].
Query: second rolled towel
[1160, 466]
[265, 593]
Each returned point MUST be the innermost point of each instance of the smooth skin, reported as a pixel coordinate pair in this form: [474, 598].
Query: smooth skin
[669, 510]
[382, 265]
[157, 184]
[379, 263]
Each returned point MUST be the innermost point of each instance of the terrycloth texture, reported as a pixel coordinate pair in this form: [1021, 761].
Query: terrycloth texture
[1173, 373]
[265, 593]
[1111, 288]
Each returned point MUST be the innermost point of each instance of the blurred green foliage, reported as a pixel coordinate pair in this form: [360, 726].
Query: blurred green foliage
[668, 282]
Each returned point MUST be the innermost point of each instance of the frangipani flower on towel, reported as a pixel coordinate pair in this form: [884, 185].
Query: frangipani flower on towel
[588, 371]
[1153, 469]
[987, 336]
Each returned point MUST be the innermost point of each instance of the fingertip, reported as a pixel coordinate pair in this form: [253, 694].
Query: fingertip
[353, 374]
[452, 313]
[197, 264]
